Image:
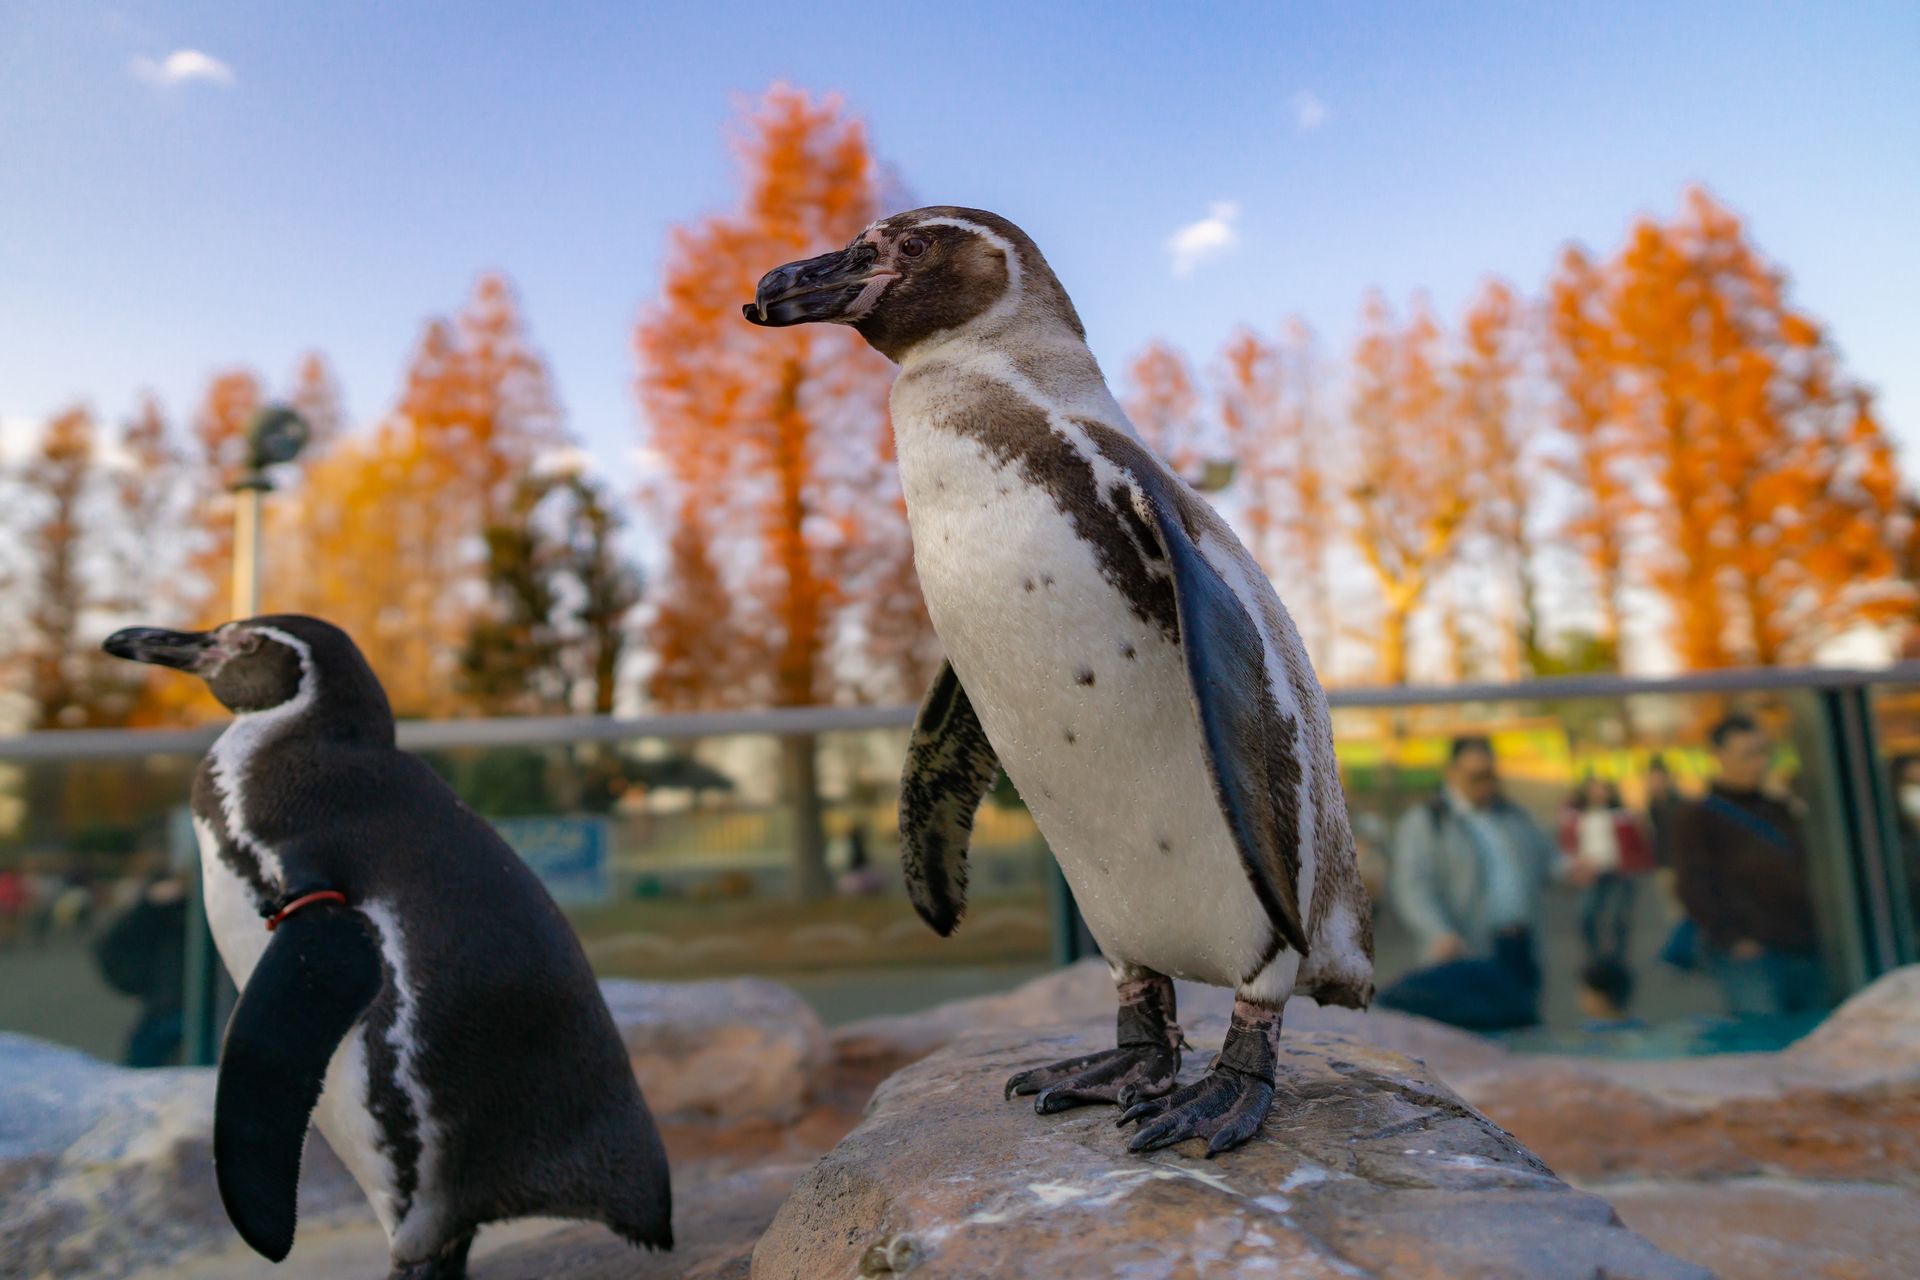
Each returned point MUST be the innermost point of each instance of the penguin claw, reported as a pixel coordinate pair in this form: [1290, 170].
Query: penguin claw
[1224, 1106]
[1133, 1071]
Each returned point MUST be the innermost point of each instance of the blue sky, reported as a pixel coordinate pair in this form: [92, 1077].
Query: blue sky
[327, 175]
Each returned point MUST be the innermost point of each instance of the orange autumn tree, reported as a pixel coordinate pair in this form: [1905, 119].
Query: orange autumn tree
[789, 580]
[220, 436]
[1778, 496]
[316, 394]
[61, 675]
[148, 564]
[202, 593]
[1598, 460]
[1408, 487]
[1164, 405]
[1284, 480]
[397, 519]
[1504, 469]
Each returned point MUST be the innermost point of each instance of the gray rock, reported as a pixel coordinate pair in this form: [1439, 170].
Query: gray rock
[1368, 1166]
[715, 1224]
[104, 1169]
[1842, 1104]
[1777, 1229]
[721, 1053]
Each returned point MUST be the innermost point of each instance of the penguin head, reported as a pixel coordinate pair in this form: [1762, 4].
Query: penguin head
[927, 273]
[257, 664]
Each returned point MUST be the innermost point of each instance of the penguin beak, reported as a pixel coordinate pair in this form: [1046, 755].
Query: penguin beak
[838, 286]
[184, 650]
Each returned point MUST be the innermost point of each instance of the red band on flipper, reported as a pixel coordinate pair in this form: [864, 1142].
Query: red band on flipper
[304, 900]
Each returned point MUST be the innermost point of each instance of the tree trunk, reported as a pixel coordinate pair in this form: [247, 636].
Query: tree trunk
[1392, 644]
[799, 757]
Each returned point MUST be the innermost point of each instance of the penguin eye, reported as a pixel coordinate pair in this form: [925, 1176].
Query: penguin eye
[914, 246]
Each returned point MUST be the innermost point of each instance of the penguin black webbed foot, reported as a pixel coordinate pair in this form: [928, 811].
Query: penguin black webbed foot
[448, 1262]
[1124, 1075]
[1146, 1064]
[1225, 1106]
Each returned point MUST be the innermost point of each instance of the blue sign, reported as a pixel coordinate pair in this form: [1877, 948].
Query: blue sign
[568, 854]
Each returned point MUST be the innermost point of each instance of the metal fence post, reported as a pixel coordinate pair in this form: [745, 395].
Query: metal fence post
[1866, 811]
[208, 994]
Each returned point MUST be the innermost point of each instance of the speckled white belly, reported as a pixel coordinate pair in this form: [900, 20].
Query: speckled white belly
[1089, 710]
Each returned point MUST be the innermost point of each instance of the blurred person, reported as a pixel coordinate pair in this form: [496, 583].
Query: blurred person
[1606, 997]
[1663, 798]
[71, 906]
[42, 886]
[860, 879]
[1469, 869]
[1741, 867]
[1607, 851]
[142, 954]
[13, 905]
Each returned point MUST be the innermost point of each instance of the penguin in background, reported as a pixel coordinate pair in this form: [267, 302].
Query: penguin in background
[405, 981]
[1114, 647]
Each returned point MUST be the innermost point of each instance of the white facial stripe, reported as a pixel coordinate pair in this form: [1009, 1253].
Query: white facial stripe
[250, 731]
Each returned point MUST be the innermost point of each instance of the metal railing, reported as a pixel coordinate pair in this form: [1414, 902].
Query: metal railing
[535, 731]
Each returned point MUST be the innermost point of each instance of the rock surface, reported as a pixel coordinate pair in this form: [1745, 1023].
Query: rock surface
[1773, 1229]
[721, 1053]
[716, 1223]
[104, 1169]
[1843, 1103]
[1367, 1166]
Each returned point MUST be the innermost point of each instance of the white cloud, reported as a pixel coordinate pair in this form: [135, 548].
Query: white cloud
[181, 67]
[1208, 238]
[1309, 113]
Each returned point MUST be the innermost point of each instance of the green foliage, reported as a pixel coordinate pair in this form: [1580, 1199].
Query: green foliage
[559, 592]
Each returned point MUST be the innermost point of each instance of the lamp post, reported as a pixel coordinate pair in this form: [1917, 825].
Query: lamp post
[276, 435]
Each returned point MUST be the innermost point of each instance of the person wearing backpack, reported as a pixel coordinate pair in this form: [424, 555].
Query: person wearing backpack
[1742, 873]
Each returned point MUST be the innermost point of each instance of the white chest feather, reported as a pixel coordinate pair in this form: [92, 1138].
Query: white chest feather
[1089, 709]
[240, 935]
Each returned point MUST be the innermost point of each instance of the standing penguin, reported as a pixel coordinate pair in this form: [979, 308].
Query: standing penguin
[1112, 645]
[399, 967]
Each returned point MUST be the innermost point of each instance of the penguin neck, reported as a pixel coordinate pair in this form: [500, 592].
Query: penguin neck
[1047, 361]
[347, 707]
[350, 710]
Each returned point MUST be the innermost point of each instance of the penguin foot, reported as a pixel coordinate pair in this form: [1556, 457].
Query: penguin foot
[1223, 1106]
[1124, 1075]
[1226, 1105]
[449, 1262]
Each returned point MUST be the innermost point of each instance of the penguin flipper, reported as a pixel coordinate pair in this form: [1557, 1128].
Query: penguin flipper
[1246, 738]
[316, 978]
[949, 768]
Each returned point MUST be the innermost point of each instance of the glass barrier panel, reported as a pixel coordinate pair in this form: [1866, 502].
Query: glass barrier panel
[94, 887]
[1604, 903]
[1896, 716]
[680, 861]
